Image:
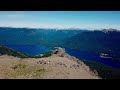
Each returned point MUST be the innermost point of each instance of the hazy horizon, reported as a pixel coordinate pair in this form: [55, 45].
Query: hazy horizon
[61, 19]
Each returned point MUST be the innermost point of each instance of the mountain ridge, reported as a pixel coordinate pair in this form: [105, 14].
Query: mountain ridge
[105, 41]
[66, 63]
[107, 29]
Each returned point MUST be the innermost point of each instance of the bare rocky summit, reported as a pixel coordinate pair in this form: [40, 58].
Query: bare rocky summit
[59, 65]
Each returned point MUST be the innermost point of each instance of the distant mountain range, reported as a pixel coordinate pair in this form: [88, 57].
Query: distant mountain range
[100, 41]
[96, 41]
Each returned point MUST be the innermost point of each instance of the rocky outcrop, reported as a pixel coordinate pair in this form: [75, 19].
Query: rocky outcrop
[59, 52]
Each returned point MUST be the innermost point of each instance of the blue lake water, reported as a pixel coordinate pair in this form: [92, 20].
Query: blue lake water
[30, 49]
[85, 55]
[90, 56]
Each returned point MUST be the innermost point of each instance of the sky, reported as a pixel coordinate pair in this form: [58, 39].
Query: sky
[61, 19]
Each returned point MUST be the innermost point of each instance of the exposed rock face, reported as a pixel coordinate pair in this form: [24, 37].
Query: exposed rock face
[59, 52]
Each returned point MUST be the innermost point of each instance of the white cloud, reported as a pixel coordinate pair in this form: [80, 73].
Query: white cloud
[15, 16]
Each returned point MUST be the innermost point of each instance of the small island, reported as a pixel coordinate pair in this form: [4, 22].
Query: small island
[103, 55]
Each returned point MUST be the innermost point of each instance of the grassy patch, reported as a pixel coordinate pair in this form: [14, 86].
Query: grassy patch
[26, 71]
[40, 70]
[39, 56]
[20, 66]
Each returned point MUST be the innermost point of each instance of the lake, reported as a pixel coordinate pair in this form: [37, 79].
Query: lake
[90, 56]
[30, 49]
[84, 55]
